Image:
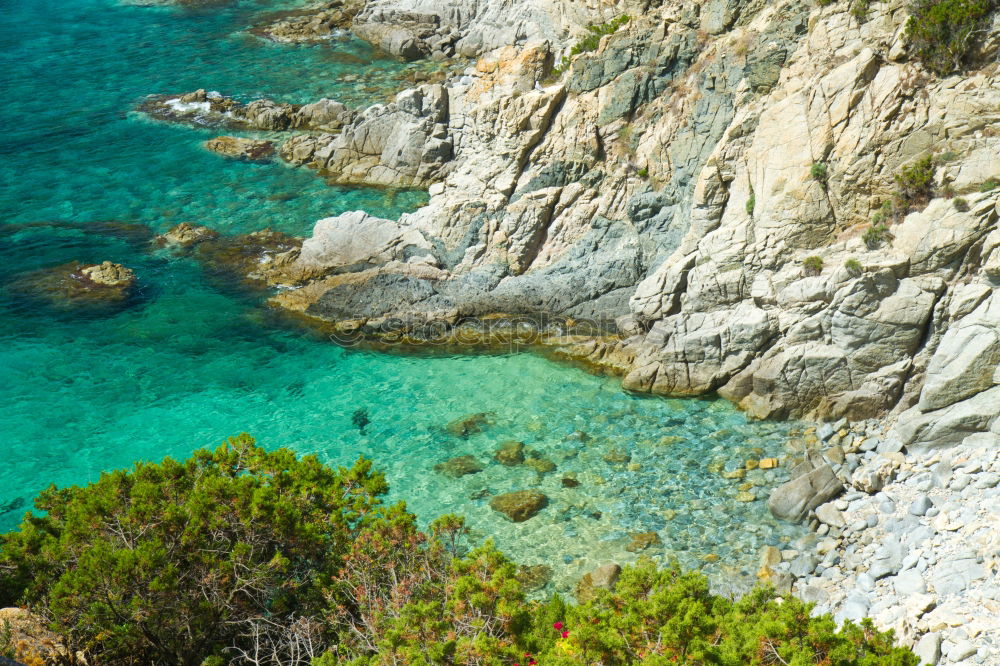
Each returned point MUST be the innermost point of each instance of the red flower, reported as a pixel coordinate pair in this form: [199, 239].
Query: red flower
[557, 625]
[565, 634]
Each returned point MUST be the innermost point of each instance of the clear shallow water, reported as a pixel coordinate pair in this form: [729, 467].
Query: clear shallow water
[188, 364]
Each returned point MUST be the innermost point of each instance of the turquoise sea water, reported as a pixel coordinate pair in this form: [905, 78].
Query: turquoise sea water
[189, 363]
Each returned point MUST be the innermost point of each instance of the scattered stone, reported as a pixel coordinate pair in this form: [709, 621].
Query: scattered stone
[642, 541]
[540, 465]
[928, 649]
[617, 456]
[510, 453]
[770, 556]
[828, 514]
[519, 505]
[745, 496]
[459, 466]
[569, 482]
[908, 583]
[768, 463]
[961, 650]
[920, 506]
[470, 425]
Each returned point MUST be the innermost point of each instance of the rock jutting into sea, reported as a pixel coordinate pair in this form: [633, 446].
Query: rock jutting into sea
[75, 285]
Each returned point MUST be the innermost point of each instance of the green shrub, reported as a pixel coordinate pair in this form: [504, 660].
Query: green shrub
[853, 266]
[751, 203]
[175, 562]
[875, 235]
[239, 551]
[944, 33]
[989, 184]
[915, 183]
[813, 265]
[960, 204]
[820, 173]
[7, 647]
[643, 172]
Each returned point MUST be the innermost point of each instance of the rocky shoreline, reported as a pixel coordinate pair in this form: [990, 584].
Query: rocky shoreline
[776, 203]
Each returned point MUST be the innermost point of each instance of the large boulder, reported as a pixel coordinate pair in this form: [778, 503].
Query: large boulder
[811, 487]
[356, 240]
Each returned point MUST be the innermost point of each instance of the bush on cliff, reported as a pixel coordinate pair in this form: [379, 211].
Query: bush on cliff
[944, 33]
[242, 556]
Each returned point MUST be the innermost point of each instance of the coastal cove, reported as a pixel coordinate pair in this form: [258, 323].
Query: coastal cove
[193, 360]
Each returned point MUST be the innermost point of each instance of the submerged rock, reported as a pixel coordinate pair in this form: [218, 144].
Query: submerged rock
[459, 466]
[241, 148]
[510, 454]
[185, 235]
[534, 577]
[79, 285]
[470, 425]
[252, 258]
[519, 505]
[642, 541]
[540, 465]
[603, 577]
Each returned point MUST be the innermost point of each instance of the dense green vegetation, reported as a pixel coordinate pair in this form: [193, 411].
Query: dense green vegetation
[240, 555]
[943, 34]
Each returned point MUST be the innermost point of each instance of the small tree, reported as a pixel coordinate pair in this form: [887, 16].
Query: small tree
[915, 183]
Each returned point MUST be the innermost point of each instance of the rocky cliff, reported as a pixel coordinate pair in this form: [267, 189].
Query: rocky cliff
[772, 201]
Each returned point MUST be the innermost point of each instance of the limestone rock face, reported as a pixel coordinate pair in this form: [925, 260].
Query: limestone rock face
[406, 143]
[699, 190]
[241, 148]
